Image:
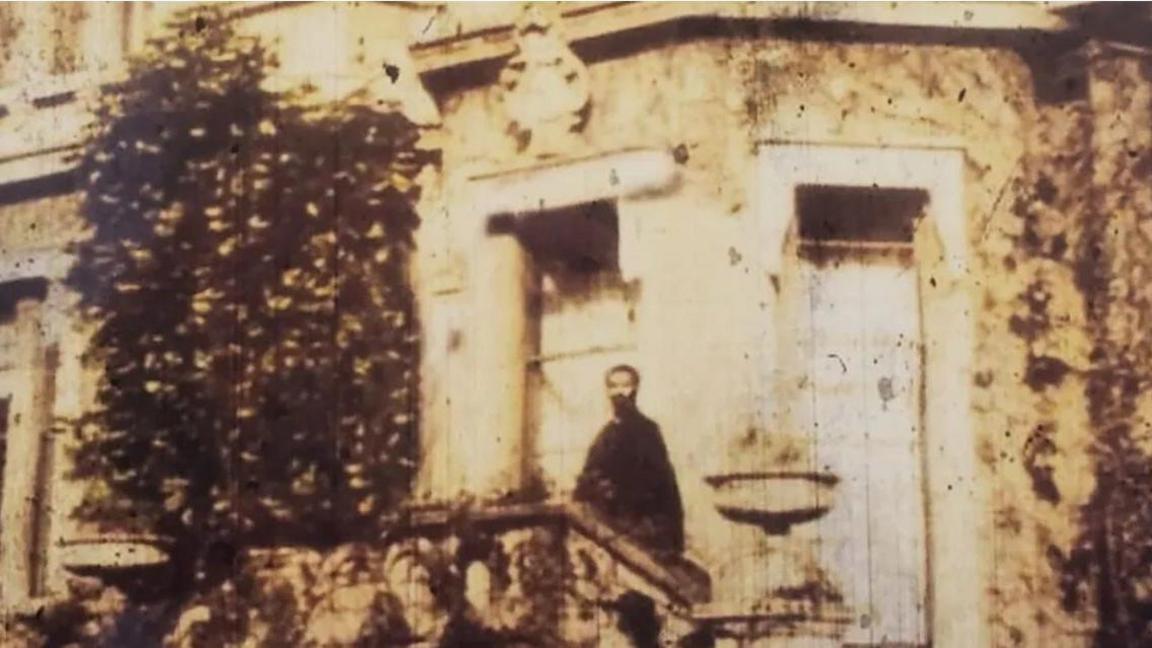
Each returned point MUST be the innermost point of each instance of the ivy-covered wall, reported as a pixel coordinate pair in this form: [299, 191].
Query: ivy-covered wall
[1029, 168]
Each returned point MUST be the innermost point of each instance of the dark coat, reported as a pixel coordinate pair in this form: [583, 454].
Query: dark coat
[629, 480]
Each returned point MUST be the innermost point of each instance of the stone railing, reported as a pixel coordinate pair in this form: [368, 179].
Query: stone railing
[548, 572]
[541, 574]
[530, 574]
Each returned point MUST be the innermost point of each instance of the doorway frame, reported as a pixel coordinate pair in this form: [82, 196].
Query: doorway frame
[956, 502]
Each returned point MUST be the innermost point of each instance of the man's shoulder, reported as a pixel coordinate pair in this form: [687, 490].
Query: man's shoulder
[629, 427]
[647, 428]
[645, 422]
[606, 435]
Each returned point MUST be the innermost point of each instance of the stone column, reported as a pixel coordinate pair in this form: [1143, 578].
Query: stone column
[494, 455]
[103, 37]
[20, 505]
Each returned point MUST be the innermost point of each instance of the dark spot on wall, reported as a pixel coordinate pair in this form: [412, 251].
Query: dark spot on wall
[1045, 190]
[1039, 451]
[886, 390]
[1045, 371]
[680, 154]
[734, 257]
[392, 71]
[843, 367]
[1035, 321]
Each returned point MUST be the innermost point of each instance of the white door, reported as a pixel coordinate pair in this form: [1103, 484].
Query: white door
[857, 394]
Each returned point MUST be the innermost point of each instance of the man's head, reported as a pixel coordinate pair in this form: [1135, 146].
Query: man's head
[623, 383]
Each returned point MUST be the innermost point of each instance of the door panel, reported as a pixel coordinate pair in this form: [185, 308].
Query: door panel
[857, 394]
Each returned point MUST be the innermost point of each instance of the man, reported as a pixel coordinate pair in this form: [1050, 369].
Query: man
[627, 476]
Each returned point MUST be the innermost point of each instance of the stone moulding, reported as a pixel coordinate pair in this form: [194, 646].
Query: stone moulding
[442, 46]
[45, 263]
[562, 183]
[113, 552]
[545, 89]
[782, 622]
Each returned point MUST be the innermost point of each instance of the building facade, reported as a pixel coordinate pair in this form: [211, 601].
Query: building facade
[817, 230]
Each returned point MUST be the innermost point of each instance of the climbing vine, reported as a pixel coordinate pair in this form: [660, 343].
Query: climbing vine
[246, 272]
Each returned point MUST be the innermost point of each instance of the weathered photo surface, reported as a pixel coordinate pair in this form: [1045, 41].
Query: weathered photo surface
[771, 325]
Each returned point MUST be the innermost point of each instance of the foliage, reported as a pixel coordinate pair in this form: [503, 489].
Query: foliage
[246, 273]
[1112, 558]
[295, 597]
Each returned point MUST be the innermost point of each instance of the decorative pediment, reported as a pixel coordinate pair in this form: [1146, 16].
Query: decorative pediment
[544, 86]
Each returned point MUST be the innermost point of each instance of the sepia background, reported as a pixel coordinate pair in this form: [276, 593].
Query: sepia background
[305, 311]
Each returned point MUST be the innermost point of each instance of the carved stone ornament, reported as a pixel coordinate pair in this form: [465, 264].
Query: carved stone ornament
[545, 88]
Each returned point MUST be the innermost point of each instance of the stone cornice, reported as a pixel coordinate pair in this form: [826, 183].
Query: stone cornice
[44, 121]
[445, 45]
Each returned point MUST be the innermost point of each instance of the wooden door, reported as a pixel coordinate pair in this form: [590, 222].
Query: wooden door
[858, 375]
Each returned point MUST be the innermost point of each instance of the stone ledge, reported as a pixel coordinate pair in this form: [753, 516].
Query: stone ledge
[562, 182]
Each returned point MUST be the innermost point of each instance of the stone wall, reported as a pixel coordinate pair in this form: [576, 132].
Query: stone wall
[710, 99]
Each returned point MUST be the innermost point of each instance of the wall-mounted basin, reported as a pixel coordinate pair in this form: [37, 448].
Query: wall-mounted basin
[773, 501]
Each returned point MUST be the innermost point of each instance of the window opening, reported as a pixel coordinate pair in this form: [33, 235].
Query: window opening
[836, 222]
[582, 317]
[580, 302]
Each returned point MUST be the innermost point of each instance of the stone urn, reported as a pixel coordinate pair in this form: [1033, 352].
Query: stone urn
[773, 494]
[775, 501]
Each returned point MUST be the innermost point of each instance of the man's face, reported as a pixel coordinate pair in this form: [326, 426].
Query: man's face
[622, 389]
